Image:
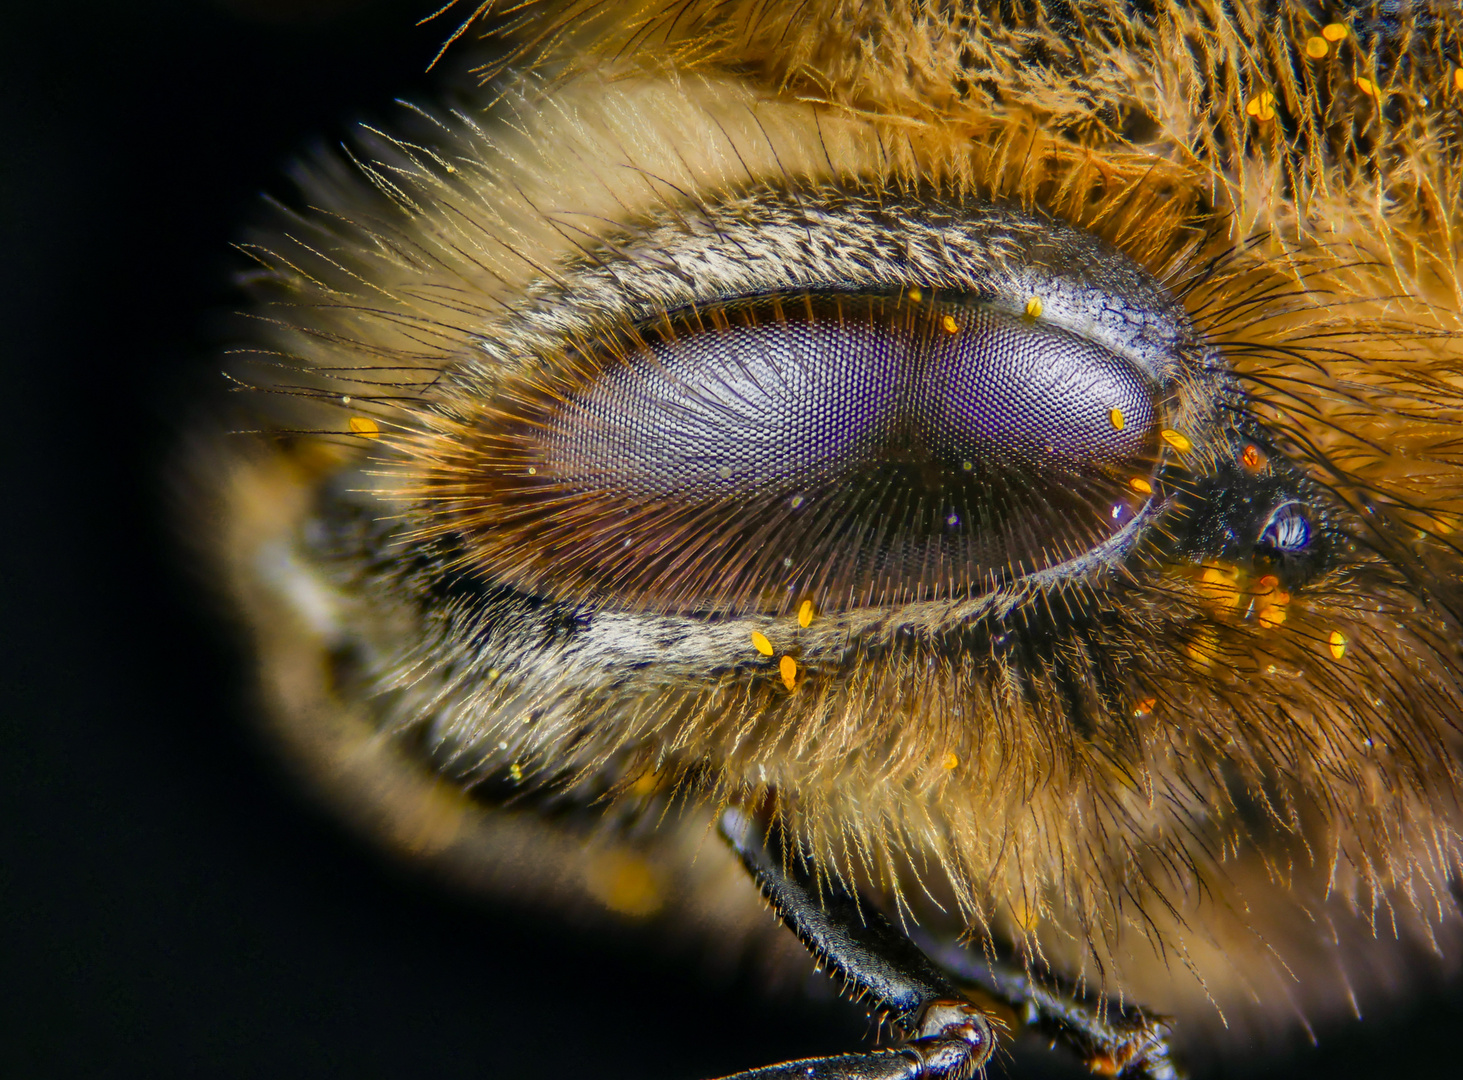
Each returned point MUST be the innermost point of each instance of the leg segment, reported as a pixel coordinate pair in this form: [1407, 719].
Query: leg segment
[950, 1038]
[1112, 1039]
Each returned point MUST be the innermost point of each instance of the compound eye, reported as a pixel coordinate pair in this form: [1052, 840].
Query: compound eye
[854, 449]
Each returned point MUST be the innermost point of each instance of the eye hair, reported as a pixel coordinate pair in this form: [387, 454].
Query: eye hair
[421, 237]
[1072, 720]
[982, 251]
[571, 745]
[1230, 273]
[458, 706]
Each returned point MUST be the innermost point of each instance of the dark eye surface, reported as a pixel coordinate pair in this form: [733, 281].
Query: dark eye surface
[1288, 530]
[857, 449]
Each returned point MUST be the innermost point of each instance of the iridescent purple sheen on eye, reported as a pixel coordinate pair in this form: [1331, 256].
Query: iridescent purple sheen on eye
[1033, 395]
[864, 449]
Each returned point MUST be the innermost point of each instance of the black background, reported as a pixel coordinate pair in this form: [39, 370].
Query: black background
[169, 903]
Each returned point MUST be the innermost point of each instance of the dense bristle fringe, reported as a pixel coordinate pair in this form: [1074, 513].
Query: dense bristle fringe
[1143, 753]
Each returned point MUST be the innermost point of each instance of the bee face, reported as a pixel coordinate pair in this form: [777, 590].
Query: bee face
[1012, 449]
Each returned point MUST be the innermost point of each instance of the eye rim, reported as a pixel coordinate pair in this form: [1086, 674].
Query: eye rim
[998, 255]
[764, 241]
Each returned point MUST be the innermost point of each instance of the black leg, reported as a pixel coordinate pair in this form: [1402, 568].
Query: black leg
[950, 1039]
[1112, 1039]
[875, 1065]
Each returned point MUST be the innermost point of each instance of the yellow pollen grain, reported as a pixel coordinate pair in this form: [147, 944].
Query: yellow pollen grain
[950, 761]
[625, 882]
[1034, 308]
[1215, 575]
[1334, 32]
[516, 771]
[1317, 47]
[1027, 917]
[761, 644]
[1338, 644]
[1138, 484]
[1115, 418]
[1272, 616]
[1219, 585]
[365, 427]
[1177, 439]
[949, 323]
[1458, 79]
[805, 614]
[1144, 707]
[1202, 648]
[789, 669]
[1367, 87]
[1261, 106]
[915, 294]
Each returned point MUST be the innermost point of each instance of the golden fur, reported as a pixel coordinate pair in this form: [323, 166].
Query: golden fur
[1267, 816]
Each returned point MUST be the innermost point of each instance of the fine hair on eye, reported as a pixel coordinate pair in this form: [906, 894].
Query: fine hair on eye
[980, 478]
[845, 428]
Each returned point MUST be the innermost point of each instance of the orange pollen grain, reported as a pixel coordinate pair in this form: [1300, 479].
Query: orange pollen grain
[1140, 485]
[1251, 457]
[950, 760]
[1144, 707]
[761, 644]
[789, 669]
[949, 324]
[1367, 87]
[1317, 47]
[1458, 79]
[1334, 32]
[1261, 106]
[805, 614]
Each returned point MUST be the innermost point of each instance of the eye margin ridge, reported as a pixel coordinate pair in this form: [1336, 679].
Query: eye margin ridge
[988, 252]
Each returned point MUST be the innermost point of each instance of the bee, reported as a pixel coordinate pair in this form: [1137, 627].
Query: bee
[981, 479]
